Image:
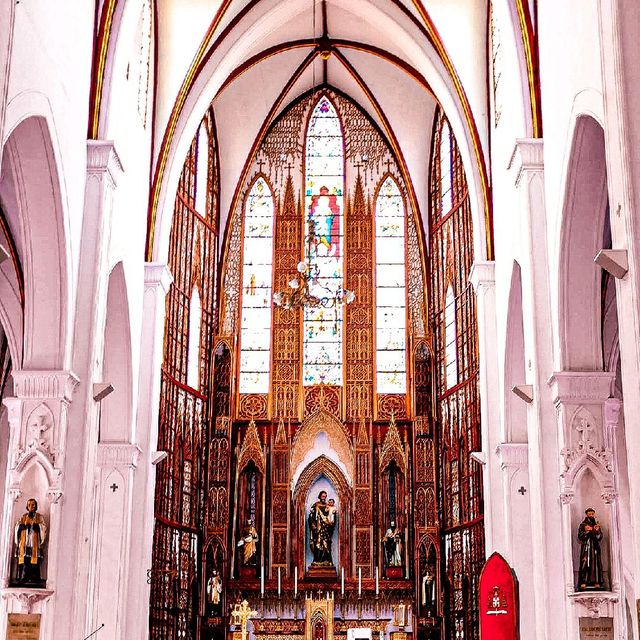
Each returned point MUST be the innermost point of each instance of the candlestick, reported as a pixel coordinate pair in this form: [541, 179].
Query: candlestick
[342, 581]
[279, 581]
[377, 582]
[295, 582]
[262, 580]
[359, 581]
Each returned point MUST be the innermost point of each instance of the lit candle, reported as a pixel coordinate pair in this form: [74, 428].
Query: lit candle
[377, 583]
[359, 581]
[262, 580]
[295, 582]
[279, 581]
[342, 581]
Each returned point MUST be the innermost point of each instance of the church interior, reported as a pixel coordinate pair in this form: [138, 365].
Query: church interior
[319, 320]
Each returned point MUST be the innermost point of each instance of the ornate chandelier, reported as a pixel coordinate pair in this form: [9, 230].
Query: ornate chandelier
[305, 289]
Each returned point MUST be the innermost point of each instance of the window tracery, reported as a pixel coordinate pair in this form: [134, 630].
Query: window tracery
[307, 149]
[183, 426]
[453, 318]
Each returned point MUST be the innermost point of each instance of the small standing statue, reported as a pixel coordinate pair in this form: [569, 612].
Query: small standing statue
[214, 593]
[590, 534]
[249, 543]
[392, 543]
[30, 535]
[428, 595]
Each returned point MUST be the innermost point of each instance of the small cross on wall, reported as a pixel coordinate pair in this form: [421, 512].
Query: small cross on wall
[522, 491]
[114, 487]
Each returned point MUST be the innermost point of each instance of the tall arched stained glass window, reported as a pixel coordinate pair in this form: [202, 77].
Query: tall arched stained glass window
[451, 347]
[202, 169]
[446, 192]
[195, 323]
[255, 336]
[391, 295]
[324, 186]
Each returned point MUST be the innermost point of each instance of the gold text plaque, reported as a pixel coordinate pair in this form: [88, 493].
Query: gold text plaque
[596, 628]
[23, 626]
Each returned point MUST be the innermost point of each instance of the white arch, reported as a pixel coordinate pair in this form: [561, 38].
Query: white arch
[580, 237]
[32, 181]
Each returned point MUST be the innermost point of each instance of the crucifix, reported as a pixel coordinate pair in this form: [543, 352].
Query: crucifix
[358, 165]
[240, 615]
[260, 163]
[114, 487]
[388, 163]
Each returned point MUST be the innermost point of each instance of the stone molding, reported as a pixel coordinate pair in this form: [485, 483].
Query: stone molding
[157, 275]
[119, 455]
[575, 387]
[482, 274]
[51, 384]
[595, 604]
[527, 155]
[513, 455]
[27, 599]
[103, 159]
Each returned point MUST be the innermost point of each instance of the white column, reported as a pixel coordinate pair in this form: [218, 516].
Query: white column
[620, 57]
[80, 535]
[514, 463]
[7, 11]
[114, 491]
[38, 422]
[527, 165]
[157, 281]
[482, 277]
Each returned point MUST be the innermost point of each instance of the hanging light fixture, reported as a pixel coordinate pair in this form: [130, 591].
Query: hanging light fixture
[305, 290]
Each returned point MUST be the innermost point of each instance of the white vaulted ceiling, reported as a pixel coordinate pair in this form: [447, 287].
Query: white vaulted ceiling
[382, 56]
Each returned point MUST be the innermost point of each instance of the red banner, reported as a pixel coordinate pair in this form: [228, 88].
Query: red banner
[498, 600]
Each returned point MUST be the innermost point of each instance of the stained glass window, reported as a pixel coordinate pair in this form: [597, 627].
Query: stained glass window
[202, 170]
[193, 358]
[324, 205]
[391, 295]
[451, 349]
[446, 199]
[255, 336]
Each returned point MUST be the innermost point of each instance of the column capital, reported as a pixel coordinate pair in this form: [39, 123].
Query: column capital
[157, 276]
[51, 384]
[576, 387]
[527, 155]
[483, 274]
[612, 408]
[103, 160]
[118, 454]
[513, 455]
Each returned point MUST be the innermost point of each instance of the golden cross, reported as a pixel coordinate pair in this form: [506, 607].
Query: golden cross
[240, 616]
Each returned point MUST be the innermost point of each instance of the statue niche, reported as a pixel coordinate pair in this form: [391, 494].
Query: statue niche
[249, 521]
[322, 502]
[322, 523]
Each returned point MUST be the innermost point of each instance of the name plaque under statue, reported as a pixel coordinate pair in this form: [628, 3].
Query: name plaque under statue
[23, 626]
[596, 628]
